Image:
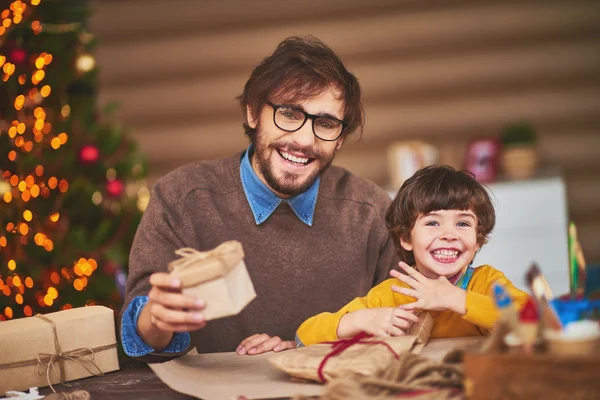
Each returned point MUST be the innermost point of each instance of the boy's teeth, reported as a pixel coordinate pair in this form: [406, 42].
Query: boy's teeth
[299, 160]
[445, 253]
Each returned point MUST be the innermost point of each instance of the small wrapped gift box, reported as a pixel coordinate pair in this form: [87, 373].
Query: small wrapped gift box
[219, 277]
[63, 346]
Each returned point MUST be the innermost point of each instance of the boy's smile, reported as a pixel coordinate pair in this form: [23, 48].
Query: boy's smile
[443, 242]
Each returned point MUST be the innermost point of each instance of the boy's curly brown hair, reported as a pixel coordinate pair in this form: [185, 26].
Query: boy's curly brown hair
[438, 187]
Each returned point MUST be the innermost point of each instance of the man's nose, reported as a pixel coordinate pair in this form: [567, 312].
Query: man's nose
[304, 137]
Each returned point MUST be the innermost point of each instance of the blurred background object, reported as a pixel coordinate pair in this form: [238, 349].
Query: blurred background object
[519, 151]
[439, 72]
[72, 185]
[483, 158]
[407, 157]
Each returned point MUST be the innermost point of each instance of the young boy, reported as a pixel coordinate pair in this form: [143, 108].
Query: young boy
[438, 221]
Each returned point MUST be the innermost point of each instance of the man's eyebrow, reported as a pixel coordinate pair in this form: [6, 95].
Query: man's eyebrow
[320, 114]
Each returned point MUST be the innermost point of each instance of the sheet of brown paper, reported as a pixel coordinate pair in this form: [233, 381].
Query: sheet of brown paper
[226, 376]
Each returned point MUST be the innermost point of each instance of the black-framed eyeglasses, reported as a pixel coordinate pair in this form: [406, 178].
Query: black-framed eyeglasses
[291, 119]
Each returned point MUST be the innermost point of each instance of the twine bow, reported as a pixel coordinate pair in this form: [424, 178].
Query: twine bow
[341, 345]
[83, 356]
[224, 257]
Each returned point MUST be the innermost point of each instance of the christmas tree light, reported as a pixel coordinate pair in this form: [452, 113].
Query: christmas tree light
[72, 186]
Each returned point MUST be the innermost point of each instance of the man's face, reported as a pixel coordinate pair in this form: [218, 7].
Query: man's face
[290, 162]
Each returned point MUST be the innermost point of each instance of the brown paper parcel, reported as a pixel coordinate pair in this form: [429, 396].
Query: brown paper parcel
[85, 337]
[358, 359]
[219, 277]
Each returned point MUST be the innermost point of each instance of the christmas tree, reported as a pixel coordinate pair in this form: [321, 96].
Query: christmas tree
[72, 186]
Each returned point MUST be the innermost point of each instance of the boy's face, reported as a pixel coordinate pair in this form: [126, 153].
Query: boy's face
[290, 162]
[443, 242]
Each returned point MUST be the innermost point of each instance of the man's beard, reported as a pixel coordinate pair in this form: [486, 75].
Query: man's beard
[288, 184]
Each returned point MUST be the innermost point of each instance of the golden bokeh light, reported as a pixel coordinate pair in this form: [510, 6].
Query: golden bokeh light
[27, 215]
[52, 292]
[55, 278]
[29, 282]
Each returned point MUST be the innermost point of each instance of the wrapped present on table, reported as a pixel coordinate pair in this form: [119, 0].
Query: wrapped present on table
[361, 355]
[219, 277]
[58, 347]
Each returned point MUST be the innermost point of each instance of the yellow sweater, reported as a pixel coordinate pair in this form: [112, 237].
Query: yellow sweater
[479, 319]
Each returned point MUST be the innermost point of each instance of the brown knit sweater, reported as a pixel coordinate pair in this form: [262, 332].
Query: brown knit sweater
[297, 271]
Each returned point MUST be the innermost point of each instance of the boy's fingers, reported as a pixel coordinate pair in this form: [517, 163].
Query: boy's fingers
[411, 306]
[409, 280]
[411, 271]
[404, 314]
[406, 291]
[397, 332]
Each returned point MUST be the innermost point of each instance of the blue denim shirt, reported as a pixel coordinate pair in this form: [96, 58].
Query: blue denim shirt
[263, 202]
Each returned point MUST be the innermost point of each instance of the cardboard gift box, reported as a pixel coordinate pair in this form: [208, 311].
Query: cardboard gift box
[63, 346]
[219, 277]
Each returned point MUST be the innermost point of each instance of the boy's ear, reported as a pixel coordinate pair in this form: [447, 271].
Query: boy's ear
[250, 118]
[406, 245]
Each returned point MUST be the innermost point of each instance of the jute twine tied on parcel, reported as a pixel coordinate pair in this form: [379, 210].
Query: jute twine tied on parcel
[47, 362]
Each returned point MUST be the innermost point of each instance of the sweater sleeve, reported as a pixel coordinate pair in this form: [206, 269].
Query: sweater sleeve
[481, 308]
[159, 234]
[323, 327]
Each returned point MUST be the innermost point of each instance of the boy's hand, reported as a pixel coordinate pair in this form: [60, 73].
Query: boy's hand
[261, 343]
[388, 321]
[431, 294]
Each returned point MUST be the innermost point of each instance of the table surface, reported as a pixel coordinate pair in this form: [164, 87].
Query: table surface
[135, 380]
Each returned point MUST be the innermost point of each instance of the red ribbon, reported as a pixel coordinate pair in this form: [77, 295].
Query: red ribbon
[340, 345]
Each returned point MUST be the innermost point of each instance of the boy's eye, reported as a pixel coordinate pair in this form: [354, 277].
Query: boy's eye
[464, 224]
[431, 223]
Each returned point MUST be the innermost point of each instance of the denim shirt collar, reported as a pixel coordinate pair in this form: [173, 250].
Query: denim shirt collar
[263, 201]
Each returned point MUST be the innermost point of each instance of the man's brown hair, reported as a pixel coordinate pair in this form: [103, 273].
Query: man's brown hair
[298, 69]
[438, 187]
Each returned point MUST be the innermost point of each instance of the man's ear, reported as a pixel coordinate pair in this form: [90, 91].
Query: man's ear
[406, 245]
[250, 118]
[339, 143]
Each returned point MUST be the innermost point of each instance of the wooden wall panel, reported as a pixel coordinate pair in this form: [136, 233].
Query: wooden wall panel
[444, 72]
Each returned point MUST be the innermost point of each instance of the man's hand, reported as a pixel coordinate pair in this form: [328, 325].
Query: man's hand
[431, 294]
[262, 343]
[388, 321]
[168, 311]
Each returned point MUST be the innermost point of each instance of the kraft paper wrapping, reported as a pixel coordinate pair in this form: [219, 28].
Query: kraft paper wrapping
[219, 277]
[360, 358]
[29, 356]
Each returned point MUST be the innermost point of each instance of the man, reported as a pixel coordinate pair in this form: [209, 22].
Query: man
[314, 235]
